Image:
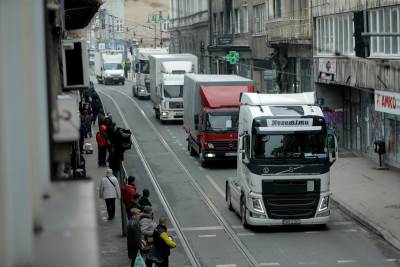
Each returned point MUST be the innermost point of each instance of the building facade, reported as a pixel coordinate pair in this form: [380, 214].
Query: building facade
[189, 30]
[357, 74]
[289, 34]
[239, 25]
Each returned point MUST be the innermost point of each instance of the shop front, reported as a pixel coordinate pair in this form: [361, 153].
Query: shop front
[388, 104]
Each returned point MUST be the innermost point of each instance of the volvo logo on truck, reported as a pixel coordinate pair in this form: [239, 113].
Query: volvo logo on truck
[289, 122]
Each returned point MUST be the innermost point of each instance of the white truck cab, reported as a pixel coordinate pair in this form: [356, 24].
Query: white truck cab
[283, 163]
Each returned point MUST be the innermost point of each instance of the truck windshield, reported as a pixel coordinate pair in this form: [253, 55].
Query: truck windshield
[304, 146]
[226, 121]
[144, 67]
[112, 66]
[173, 91]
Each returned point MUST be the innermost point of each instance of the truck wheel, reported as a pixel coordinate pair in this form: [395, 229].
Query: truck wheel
[228, 197]
[134, 91]
[123, 82]
[243, 211]
[157, 114]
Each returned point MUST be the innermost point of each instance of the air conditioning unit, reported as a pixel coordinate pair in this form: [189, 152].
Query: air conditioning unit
[75, 64]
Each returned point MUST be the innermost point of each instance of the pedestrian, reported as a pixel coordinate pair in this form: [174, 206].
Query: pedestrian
[128, 191]
[134, 235]
[87, 120]
[109, 191]
[163, 242]
[102, 144]
[101, 117]
[144, 200]
[135, 201]
[96, 106]
[147, 226]
[115, 157]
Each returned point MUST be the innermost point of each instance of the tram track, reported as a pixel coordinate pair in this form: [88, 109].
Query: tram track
[217, 214]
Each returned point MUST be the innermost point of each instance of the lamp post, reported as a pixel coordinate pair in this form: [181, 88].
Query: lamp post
[154, 19]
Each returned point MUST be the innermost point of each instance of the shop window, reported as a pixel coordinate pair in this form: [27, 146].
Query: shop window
[390, 137]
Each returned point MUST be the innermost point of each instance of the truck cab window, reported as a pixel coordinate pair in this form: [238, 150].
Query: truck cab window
[144, 66]
[112, 66]
[173, 91]
[222, 121]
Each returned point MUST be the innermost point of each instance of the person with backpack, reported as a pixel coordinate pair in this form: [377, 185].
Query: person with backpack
[128, 191]
[102, 144]
[162, 243]
[109, 191]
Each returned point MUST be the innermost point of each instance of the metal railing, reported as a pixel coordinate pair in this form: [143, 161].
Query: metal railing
[222, 38]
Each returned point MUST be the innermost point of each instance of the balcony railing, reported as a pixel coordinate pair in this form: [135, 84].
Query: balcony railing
[198, 17]
[289, 30]
[222, 39]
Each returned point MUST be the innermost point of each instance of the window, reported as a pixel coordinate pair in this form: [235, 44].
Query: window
[385, 20]
[221, 20]
[244, 25]
[335, 35]
[277, 6]
[259, 18]
[236, 24]
[215, 23]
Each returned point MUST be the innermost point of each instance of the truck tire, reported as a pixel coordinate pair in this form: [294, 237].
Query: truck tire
[134, 91]
[243, 211]
[157, 113]
[123, 82]
[228, 197]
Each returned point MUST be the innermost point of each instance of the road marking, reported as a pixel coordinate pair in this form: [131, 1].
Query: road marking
[350, 230]
[391, 260]
[203, 228]
[226, 265]
[245, 234]
[213, 183]
[270, 264]
[207, 236]
[237, 227]
[309, 263]
[342, 223]
[311, 232]
[173, 136]
[345, 261]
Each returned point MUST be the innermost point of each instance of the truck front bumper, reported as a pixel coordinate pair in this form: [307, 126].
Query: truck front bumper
[320, 217]
[219, 155]
[171, 115]
[118, 79]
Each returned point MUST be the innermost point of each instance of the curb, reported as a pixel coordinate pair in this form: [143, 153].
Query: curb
[364, 221]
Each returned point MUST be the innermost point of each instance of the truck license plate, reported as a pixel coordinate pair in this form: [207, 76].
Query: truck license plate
[290, 222]
[230, 154]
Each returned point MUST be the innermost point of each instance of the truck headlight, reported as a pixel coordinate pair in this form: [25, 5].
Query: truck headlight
[147, 80]
[257, 205]
[324, 204]
[210, 145]
[164, 114]
[108, 75]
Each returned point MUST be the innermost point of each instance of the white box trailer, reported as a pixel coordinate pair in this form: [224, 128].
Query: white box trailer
[166, 83]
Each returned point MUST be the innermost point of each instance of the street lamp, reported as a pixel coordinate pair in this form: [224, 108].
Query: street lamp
[155, 19]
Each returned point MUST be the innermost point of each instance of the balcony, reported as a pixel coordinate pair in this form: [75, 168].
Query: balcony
[289, 30]
[196, 18]
[222, 39]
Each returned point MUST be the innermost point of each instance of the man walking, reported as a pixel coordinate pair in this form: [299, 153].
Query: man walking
[163, 242]
[109, 191]
[134, 235]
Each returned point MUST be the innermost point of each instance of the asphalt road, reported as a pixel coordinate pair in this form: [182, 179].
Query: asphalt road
[208, 233]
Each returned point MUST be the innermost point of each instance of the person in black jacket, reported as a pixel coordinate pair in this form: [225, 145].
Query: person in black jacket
[144, 200]
[134, 235]
[163, 242]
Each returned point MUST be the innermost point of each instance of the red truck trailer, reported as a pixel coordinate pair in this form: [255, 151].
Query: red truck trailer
[211, 114]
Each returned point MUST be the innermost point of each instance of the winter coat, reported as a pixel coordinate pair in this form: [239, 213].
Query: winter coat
[101, 139]
[108, 190]
[147, 225]
[127, 194]
[162, 241]
[144, 201]
[134, 238]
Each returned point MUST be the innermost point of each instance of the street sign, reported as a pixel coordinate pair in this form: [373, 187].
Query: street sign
[233, 57]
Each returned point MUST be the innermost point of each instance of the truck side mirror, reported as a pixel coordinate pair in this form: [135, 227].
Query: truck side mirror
[196, 122]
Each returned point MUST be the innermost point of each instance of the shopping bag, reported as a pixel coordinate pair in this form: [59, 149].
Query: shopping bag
[139, 262]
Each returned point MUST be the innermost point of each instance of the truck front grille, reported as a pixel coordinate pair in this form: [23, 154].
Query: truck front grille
[291, 199]
[224, 144]
[175, 104]
[291, 206]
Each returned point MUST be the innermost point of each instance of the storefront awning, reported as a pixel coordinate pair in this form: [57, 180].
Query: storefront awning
[78, 13]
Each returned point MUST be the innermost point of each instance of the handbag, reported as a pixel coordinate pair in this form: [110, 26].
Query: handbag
[155, 255]
[139, 262]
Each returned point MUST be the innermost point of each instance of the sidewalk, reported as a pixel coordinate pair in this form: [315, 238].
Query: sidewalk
[112, 245]
[370, 196]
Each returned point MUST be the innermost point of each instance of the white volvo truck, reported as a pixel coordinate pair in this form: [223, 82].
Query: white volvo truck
[166, 83]
[283, 163]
